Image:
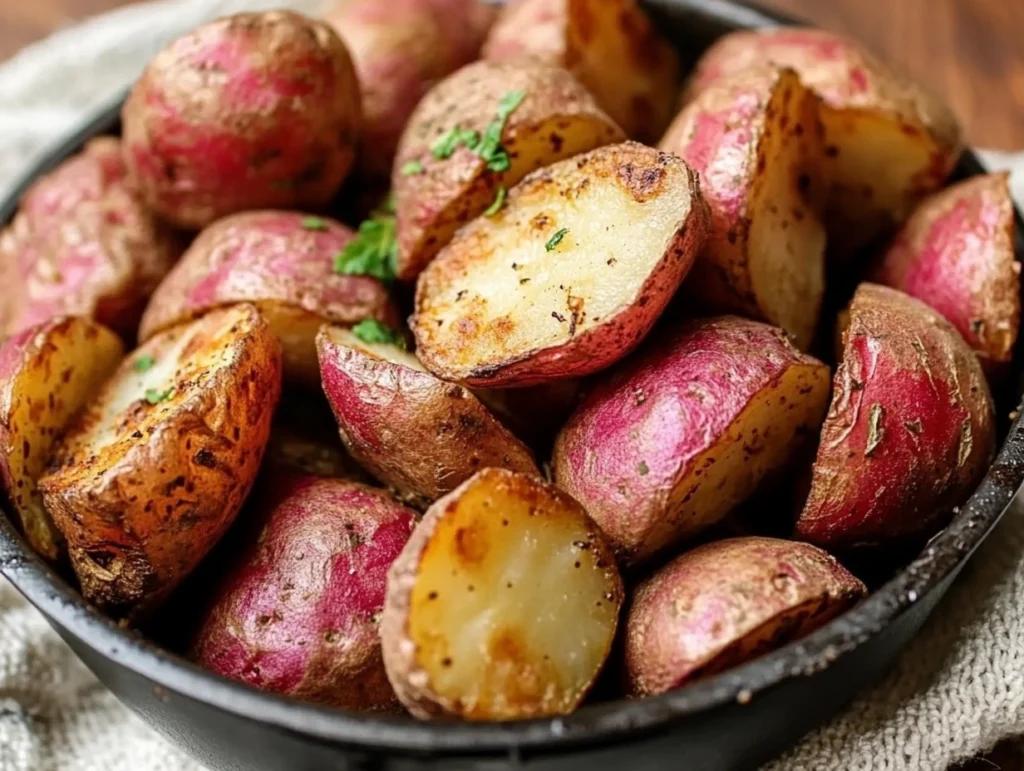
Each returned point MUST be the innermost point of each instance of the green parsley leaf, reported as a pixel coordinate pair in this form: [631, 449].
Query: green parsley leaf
[144, 363]
[509, 103]
[490, 148]
[372, 331]
[155, 397]
[373, 252]
[412, 168]
[499, 201]
[555, 240]
[314, 223]
[446, 145]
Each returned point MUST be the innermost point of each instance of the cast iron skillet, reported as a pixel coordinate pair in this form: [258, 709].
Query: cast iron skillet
[735, 720]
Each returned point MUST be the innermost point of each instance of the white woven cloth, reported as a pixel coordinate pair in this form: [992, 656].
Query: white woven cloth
[955, 692]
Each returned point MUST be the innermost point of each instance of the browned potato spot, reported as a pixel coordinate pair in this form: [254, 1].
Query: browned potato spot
[503, 605]
[568, 277]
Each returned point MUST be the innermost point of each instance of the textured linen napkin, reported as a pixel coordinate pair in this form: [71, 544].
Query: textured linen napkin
[955, 692]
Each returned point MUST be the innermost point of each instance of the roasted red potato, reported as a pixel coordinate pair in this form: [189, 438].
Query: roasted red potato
[956, 253]
[47, 373]
[282, 262]
[727, 602]
[252, 111]
[910, 431]
[755, 140]
[298, 613]
[888, 141]
[153, 471]
[568, 277]
[419, 435]
[668, 444]
[502, 606]
[609, 45]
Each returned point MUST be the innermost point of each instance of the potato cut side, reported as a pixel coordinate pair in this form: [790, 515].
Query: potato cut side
[502, 606]
[568, 277]
[47, 373]
[154, 470]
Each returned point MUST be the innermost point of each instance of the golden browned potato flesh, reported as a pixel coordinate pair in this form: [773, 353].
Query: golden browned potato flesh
[502, 606]
[476, 134]
[154, 470]
[568, 277]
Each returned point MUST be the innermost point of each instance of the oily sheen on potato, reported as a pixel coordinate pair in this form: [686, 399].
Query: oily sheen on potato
[419, 435]
[153, 471]
[47, 372]
[503, 605]
[727, 602]
[754, 139]
[568, 276]
[668, 444]
[910, 431]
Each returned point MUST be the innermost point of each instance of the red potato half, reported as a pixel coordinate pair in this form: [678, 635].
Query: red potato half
[755, 140]
[417, 434]
[153, 471]
[889, 142]
[299, 611]
[47, 373]
[670, 443]
[251, 111]
[282, 262]
[727, 602]
[400, 49]
[502, 606]
[910, 430]
[82, 244]
[956, 254]
[609, 45]
[568, 277]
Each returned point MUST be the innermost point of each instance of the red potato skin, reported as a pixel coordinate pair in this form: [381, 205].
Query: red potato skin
[83, 244]
[727, 602]
[910, 430]
[299, 612]
[256, 110]
[400, 48]
[956, 254]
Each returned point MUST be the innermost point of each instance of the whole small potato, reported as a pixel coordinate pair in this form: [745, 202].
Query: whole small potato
[298, 612]
[668, 444]
[283, 262]
[610, 45]
[252, 111]
[82, 244]
[956, 253]
[728, 602]
[502, 606]
[910, 431]
[400, 48]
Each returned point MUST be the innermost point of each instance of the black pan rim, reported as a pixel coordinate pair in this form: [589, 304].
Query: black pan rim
[608, 723]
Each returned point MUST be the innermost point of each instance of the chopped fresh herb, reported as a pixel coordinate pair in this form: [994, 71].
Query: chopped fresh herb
[490, 148]
[144, 363]
[411, 168]
[556, 239]
[314, 223]
[447, 144]
[154, 396]
[499, 201]
[372, 331]
[373, 252]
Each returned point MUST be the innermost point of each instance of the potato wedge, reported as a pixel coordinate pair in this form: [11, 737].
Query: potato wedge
[669, 444]
[47, 373]
[755, 141]
[418, 435]
[153, 471]
[728, 602]
[609, 45]
[910, 431]
[480, 600]
[438, 189]
[889, 142]
[282, 262]
[956, 253]
[568, 277]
